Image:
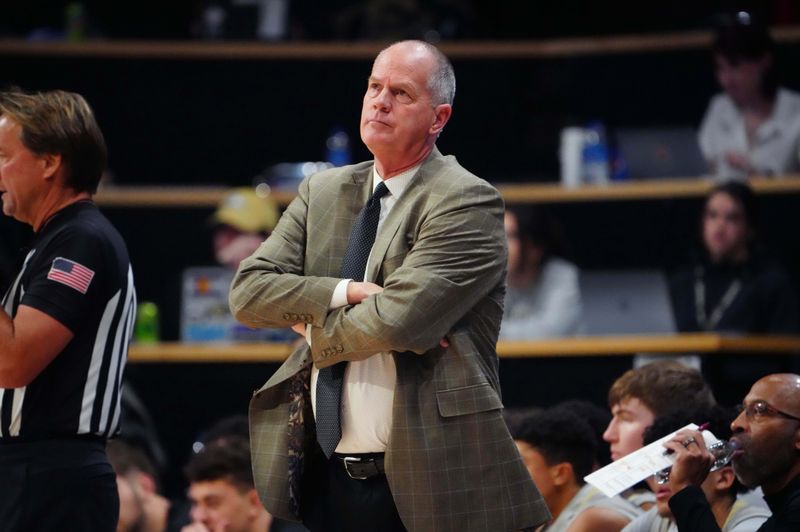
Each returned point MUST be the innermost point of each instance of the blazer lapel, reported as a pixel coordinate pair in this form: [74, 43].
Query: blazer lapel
[349, 200]
[392, 222]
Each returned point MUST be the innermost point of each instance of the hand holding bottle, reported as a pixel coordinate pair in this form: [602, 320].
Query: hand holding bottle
[696, 453]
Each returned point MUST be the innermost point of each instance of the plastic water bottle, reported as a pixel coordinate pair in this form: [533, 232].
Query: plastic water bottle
[619, 166]
[75, 21]
[337, 147]
[146, 329]
[722, 450]
[595, 155]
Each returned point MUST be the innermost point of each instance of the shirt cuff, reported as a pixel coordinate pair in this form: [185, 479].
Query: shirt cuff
[308, 334]
[339, 297]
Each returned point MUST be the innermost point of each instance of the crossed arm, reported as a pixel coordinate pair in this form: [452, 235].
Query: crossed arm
[457, 258]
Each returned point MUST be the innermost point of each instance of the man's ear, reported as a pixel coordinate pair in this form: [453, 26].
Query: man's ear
[442, 113]
[146, 482]
[51, 162]
[254, 503]
[562, 473]
[724, 479]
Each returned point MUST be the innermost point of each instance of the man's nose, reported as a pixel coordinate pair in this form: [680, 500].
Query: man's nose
[608, 435]
[739, 422]
[383, 100]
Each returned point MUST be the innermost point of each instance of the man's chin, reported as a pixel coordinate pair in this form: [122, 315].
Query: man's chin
[745, 479]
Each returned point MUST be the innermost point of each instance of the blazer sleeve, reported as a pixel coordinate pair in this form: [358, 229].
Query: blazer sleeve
[269, 288]
[457, 258]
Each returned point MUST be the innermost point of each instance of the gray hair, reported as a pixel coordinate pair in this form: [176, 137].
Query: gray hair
[442, 81]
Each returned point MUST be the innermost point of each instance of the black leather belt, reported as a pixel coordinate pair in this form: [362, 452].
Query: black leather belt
[361, 467]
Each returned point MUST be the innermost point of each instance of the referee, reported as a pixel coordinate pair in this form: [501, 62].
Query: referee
[65, 323]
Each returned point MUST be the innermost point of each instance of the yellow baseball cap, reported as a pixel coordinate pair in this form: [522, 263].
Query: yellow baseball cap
[243, 209]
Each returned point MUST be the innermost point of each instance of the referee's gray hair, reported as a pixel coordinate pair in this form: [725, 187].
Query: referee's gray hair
[442, 81]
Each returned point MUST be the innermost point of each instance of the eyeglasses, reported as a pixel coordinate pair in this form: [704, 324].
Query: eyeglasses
[761, 409]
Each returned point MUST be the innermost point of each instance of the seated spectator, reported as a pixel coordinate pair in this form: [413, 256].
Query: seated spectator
[733, 286]
[638, 397]
[141, 507]
[558, 448]
[598, 419]
[222, 491]
[721, 489]
[242, 221]
[542, 295]
[228, 428]
[753, 127]
[767, 434]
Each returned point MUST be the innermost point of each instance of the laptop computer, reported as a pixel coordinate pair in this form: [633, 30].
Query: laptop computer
[626, 302]
[655, 153]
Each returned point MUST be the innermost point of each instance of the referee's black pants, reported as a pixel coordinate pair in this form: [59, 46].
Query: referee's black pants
[57, 485]
[334, 502]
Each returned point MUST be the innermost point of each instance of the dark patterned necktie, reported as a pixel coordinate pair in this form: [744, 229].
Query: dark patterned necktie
[354, 264]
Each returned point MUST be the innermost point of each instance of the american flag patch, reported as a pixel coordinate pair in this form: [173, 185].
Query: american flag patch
[71, 273]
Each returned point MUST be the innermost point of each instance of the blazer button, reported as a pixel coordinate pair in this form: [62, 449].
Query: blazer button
[287, 316]
[339, 349]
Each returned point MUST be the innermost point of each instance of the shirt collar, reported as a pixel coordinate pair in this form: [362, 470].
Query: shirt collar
[396, 184]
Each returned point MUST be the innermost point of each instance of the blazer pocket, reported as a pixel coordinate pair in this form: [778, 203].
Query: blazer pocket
[468, 400]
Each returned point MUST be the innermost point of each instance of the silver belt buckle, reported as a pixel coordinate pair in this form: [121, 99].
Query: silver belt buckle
[352, 460]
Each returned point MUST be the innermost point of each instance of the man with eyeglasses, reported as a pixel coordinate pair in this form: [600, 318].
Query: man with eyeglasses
[767, 435]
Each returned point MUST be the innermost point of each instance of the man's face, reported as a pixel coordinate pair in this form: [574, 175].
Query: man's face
[220, 505]
[769, 443]
[232, 246]
[398, 116]
[131, 512]
[624, 433]
[21, 173]
[742, 79]
[663, 492]
[538, 469]
[514, 242]
[725, 231]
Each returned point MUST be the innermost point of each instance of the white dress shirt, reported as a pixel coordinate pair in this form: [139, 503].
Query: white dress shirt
[368, 388]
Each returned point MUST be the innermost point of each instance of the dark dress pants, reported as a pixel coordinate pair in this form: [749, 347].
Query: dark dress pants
[57, 485]
[334, 502]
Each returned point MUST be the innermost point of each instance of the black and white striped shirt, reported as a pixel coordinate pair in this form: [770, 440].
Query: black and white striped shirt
[78, 272]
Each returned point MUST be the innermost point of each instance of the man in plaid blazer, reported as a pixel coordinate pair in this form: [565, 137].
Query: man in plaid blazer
[423, 444]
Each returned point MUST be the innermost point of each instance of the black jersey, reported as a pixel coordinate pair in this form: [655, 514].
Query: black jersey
[78, 272]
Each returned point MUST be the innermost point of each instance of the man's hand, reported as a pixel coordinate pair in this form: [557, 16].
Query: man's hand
[300, 328]
[692, 460]
[358, 292]
[740, 162]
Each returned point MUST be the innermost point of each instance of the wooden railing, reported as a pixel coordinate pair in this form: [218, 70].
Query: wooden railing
[189, 197]
[699, 343]
[463, 50]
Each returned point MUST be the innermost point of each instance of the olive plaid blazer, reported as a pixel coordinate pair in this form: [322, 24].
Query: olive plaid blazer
[441, 258]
